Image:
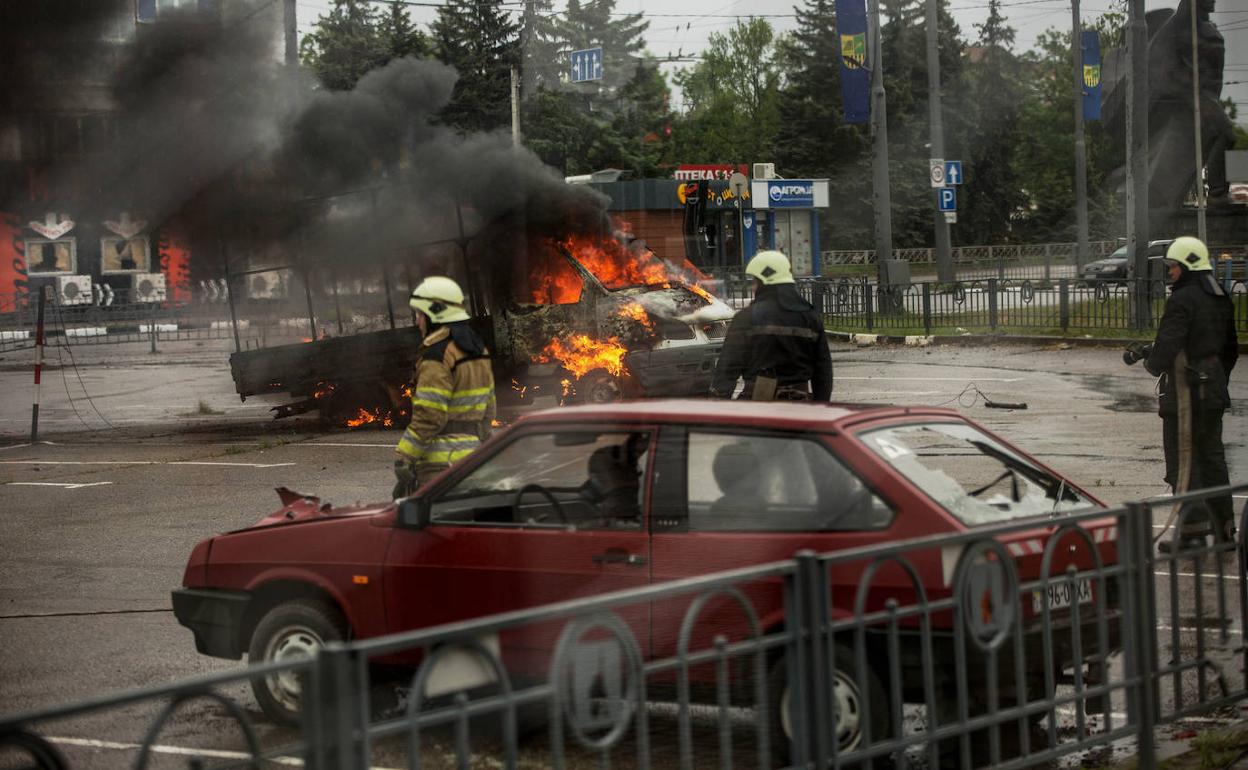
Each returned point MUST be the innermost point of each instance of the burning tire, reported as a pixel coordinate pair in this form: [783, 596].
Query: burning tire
[599, 387]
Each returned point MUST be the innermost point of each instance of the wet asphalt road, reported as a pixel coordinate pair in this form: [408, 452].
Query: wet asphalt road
[148, 454]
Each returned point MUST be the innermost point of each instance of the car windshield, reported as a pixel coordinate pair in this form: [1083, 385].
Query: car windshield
[969, 474]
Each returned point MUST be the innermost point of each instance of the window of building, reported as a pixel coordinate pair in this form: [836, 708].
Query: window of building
[46, 257]
[125, 255]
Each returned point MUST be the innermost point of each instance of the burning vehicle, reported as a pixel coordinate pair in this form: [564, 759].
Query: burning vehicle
[593, 321]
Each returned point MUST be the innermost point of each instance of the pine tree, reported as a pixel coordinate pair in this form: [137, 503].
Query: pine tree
[344, 44]
[402, 38]
[477, 38]
[544, 54]
[590, 25]
[813, 140]
[989, 123]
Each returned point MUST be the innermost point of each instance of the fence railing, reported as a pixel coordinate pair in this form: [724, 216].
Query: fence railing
[1008, 646]
[988, 305]
[970, 255]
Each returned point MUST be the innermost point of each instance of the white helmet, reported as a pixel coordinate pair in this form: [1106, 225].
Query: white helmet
[771, 268]
[440, 298]
[1189, 252]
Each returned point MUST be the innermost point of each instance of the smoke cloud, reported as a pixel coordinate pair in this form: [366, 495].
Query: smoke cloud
[215, 132]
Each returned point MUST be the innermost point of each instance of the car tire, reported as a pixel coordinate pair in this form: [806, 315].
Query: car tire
[289, 630]
[850, 728]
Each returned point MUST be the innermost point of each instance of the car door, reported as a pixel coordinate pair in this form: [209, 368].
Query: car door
[726, 498]
[553, 514]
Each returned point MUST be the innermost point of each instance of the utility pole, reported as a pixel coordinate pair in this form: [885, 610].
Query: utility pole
[291, 28]
[1201, 203]
[515, 106]
[1081, 147]
[879, 138]
[1137, 159]
[944, 257]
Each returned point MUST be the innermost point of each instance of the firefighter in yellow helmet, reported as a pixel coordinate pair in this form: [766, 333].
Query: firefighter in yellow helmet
[777, 345]
[1193, 354]
[452, 392]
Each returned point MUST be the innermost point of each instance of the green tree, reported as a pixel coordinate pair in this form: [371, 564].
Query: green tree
[344, 44]
[481, 42]
[987, 135]
[905, 80]
[594, 24]
[401, 37]
[732, 97]
[812, 139]
[544, 54]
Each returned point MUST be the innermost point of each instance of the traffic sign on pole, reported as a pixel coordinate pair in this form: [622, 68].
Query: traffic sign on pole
[948, 199]
[587, 65]
[951, 217]
[953, 172]
[936, 171]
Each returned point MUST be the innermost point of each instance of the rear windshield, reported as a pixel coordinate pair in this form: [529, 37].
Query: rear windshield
[969, 474]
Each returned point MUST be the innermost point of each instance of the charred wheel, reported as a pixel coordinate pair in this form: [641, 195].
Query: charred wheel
[599, 387]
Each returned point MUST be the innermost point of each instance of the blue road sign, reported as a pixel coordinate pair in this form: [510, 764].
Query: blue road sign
[587, 65]
[953, 172]
[948, 199]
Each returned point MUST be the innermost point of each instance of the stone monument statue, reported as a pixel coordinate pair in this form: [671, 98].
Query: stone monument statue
[1171, 129]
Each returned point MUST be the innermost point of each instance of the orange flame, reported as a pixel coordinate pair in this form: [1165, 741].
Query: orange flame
[554, 281]
[580, 354]
[365, 417]
[635, 312]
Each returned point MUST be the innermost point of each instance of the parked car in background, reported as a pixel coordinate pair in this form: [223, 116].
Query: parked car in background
[584, 500]
[1117, 267]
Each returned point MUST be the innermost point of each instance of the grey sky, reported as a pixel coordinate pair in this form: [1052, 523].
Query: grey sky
[683, 28]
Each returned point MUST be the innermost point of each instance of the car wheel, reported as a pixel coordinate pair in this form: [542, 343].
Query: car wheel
[850, 726]
[291, 630]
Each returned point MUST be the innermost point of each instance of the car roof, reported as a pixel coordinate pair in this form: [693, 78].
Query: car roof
[721, 412]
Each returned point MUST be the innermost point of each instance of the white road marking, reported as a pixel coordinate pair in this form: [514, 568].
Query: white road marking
[159, 748]
[63, 485]
[1208, 630]
[935, 379]
[330, 443]
[143, 462]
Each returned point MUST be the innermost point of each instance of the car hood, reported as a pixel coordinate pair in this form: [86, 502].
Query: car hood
[299, 508]
[679, 303]
[1105, 263]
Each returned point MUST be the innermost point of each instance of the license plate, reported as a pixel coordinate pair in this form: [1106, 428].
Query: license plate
[1062, 594]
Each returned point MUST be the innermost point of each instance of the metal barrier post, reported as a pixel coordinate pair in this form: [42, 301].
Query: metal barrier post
[927, 308]
[1063, 303]
[1139, 628]
[992, 303]
[151, 320]
[866, 304]
[809, 653]
[1048, 261]
[332, 705]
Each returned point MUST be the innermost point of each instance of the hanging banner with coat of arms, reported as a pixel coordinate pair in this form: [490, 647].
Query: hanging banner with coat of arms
[851, 24]
[1091, 75]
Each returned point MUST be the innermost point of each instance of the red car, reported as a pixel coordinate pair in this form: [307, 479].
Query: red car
[578, 501]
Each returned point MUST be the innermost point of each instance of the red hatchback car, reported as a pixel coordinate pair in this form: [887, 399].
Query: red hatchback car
[578, 501]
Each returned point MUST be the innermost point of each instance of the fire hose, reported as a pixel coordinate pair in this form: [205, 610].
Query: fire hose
[1182, 392]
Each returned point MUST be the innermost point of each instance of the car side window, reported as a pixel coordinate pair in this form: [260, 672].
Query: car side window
[582, 479]
[777, 484]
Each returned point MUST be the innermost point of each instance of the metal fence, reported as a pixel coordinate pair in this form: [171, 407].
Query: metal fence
[991, 305]
[1048, 260]
[1010, 646]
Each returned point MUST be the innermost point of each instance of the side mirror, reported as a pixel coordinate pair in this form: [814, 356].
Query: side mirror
[414, 512]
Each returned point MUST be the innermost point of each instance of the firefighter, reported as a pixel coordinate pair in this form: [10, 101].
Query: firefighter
[1193, 353]
[777, 344]
[452, 390]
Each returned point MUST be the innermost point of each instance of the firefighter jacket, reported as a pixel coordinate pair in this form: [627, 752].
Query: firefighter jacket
[452, 398]
[1198, 319]
[780, 335]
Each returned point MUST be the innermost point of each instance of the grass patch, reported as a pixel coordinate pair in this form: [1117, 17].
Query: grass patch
[203, 409]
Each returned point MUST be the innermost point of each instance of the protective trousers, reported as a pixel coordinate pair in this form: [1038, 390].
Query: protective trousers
[1208, 469]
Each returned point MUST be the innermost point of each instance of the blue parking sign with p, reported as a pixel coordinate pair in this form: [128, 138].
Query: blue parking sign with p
[948, 199]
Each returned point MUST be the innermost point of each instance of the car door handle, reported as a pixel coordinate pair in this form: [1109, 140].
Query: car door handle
[619, 556]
